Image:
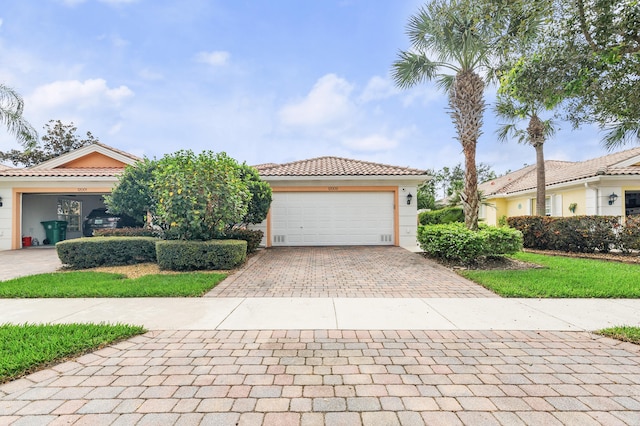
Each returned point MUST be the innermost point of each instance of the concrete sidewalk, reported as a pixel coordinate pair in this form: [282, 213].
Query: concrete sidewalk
[331, 313]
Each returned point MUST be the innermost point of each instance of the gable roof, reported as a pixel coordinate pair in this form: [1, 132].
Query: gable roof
[94, 148]
[109, 162]
[3, 167]
[556, 172]
[335, 166]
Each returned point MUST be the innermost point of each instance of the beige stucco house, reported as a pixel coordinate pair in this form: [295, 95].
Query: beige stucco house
[321, 201]
[607, 185]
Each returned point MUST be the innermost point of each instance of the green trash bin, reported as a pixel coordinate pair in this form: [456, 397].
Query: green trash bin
[56, 230]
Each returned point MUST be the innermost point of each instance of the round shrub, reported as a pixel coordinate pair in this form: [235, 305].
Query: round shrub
[455, 242]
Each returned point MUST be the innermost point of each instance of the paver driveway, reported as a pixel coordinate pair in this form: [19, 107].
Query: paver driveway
[337, 377]
[345, 272]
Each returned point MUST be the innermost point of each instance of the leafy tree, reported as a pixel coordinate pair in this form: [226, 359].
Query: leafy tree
[60, 139]
[198, 195]
[450, 181]
[11, 109]
[591, 50]
[260, 195]
[453, 42]
[133, 195]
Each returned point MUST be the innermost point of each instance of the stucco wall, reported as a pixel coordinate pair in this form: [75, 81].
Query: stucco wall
[577, 196]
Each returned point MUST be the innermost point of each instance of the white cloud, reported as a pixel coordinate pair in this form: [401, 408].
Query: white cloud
[371, 143]
[327, 102]
[1, 22]
[425, 94]
[378, 88]
[77, 93]
[216, 58]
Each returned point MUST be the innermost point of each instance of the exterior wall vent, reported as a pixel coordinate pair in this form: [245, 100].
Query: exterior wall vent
[278, 239]
[385, 238]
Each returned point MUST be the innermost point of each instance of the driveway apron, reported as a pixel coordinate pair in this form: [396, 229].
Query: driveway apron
[34, 260]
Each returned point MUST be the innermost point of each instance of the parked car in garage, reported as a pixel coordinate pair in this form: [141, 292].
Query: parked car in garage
[101, 219]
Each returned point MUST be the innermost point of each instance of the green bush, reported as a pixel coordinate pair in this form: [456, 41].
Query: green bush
[441, 216]
[455, 242]
[583, 234]
[200, 255]
[106, 251]
[125, 232]
[251, 236]
[628, 236]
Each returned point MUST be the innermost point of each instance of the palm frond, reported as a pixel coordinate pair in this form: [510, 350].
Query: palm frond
[413, 68]
[621, 134]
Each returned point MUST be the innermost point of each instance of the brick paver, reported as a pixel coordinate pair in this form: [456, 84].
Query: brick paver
[319, 377]
[344, 272]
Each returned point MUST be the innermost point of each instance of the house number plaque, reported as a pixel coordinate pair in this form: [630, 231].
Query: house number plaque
[332, 188]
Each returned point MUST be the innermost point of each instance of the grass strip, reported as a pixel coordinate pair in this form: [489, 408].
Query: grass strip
[103, 284]
[562, 277]
[29, 347]
[624, 333]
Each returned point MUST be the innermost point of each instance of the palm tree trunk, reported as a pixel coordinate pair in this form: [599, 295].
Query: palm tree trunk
[536, 137]
[467, 106]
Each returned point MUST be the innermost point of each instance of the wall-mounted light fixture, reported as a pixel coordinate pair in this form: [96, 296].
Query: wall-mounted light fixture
[612, 198]
[0, 201]
[409, 197]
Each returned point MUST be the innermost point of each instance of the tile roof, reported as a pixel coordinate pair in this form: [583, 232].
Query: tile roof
[335, 166]
[126, 154]
[4, 167]
[557, 172]
[79, 172]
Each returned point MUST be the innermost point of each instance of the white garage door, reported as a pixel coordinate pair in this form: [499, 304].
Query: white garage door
[332, 218]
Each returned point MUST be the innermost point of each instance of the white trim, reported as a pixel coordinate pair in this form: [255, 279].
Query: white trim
[626, 163]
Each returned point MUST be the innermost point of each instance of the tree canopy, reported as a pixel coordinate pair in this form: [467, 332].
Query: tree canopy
[192, 196]
[59, 139]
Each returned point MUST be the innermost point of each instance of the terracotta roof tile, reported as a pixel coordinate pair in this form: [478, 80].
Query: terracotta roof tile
[557, 172]
[80, 172]
[335, 166]
[126, 154]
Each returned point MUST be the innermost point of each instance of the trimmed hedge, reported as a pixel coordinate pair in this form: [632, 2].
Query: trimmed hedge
[441, 216]
[91, 252]
[582, 234]
[125, 232]
[629, 235]
[178, 255]
[455, 242]
[251, 236]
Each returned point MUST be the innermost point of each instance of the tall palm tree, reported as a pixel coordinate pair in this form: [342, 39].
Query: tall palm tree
[11, 109]
[536, 134]
[452, 47]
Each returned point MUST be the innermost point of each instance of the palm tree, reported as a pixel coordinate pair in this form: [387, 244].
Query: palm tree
[450, 46]
[524, 94]
[11, 109]
[536, 134]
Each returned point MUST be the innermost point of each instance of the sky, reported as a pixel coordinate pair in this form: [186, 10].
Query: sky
[266, 81]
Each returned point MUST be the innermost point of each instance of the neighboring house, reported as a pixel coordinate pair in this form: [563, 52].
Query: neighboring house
[322, 201]
[608, 185]
[66, 188]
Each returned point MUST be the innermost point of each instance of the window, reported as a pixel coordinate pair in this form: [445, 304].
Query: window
[547, 206]
[71, 212]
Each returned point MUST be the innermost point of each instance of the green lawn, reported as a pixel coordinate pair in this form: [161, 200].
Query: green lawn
[562, 277]
[625, 333]
[26, 348]
[103, 284]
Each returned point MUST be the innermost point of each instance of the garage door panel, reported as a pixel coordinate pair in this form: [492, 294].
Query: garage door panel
[344, 218]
